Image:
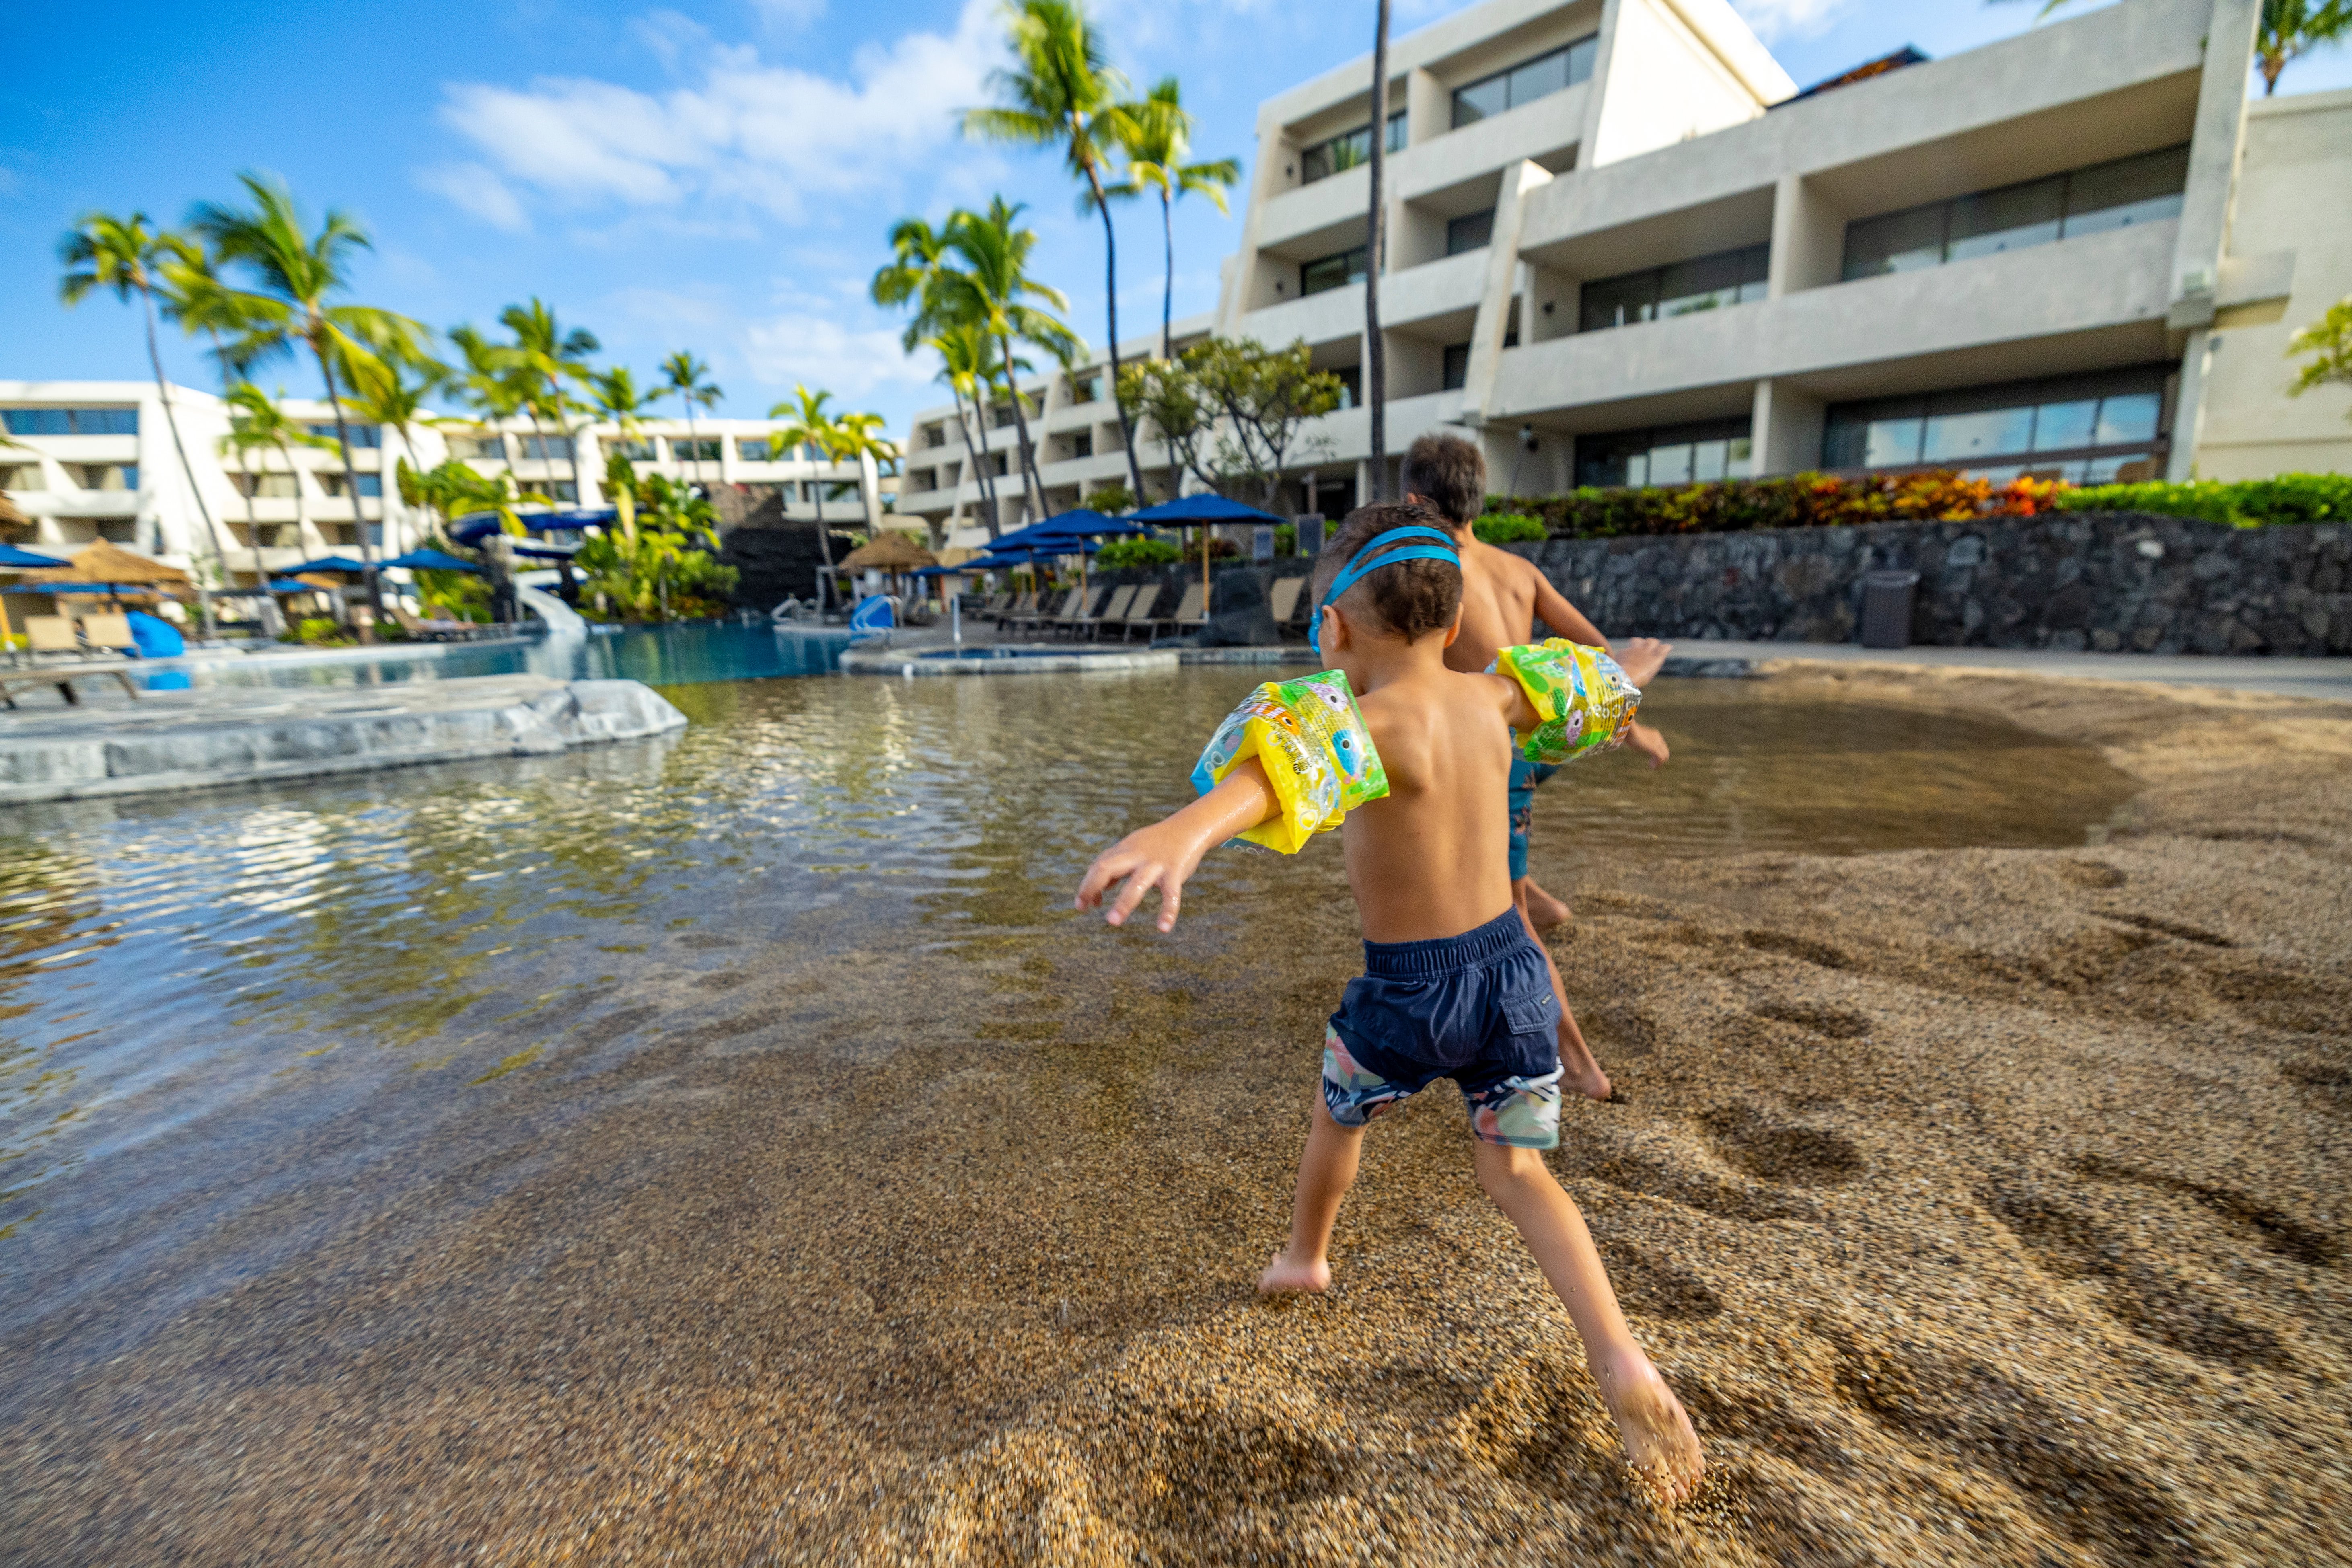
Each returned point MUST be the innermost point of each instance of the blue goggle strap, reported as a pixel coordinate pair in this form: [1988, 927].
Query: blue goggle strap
[1382, 552]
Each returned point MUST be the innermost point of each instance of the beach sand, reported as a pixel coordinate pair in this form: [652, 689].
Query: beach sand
[1984, 1207]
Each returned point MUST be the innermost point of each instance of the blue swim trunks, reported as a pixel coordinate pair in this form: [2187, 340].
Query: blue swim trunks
[1477, 1008]
[1525, 776]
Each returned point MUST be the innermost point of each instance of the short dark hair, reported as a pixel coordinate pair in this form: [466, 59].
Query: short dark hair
[1409, 598]
[1447, 472]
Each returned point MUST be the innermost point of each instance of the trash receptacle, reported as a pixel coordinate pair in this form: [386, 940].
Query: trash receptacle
[1886, 608]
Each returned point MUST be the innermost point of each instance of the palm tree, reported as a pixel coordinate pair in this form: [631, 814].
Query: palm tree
[855, 438]
[689, 378]
[297, 273]
[125, 254]
[256, 420]
[810, 426]
[1156, 149]
[387, 399]
[1062, 91]
[969, 357]
[614, 396]
[554, 358]
[492, 382]
[996, 289]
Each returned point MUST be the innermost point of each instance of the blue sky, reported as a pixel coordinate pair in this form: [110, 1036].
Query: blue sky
[716, 176]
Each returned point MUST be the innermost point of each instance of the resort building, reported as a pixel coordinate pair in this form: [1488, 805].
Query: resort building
[1624, 248]
[94, 460]
[1074, 428]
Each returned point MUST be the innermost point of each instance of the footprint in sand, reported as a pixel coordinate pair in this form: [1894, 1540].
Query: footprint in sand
[1775, 1152]
[1814, 953]
[2092, 874]
[2278, 1231]
[1649, 1286]
[1837, 1023]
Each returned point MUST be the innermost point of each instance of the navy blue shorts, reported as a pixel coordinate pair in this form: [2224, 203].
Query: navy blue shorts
[1525, 776]
[1477, 1008]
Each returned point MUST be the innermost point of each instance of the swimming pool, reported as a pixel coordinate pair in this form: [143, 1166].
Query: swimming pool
[683, 654]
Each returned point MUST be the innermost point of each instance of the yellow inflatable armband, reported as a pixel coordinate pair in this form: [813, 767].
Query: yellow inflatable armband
[1586, 703]
[1310, 738]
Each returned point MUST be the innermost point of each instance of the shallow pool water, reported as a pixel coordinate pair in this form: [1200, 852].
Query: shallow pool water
[689, 654]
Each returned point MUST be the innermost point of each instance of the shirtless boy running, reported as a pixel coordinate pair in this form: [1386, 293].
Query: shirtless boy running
[1502, 593]
[1415, 756]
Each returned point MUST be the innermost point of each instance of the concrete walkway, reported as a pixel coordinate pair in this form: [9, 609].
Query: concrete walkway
[2329, 680]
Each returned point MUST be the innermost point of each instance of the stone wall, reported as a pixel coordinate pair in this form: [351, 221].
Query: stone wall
[2068, 580]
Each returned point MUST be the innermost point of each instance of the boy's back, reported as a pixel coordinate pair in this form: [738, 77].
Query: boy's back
[1429, 860]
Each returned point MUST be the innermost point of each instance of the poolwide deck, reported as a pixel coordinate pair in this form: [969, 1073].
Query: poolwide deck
[234, 735]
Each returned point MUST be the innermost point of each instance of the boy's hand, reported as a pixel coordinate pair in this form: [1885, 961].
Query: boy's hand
[1648, 743]
[1641, 658]
[1160, 856]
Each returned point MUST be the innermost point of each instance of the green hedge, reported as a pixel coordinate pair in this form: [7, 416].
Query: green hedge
[1828, 500]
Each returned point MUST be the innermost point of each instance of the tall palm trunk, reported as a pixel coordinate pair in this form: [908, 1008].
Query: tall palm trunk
[1376, 364]
[824, 550]
[253, 533]
[1168, 291]
[980, 478]
[172, 418]
[693, 444]
[351, 478]
[1110, 277]
[1033, 481]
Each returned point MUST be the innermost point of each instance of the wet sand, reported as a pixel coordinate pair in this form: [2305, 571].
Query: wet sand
[1984, 1207]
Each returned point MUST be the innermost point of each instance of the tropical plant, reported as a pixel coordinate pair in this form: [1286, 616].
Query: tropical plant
[1122, 553]
[968, 360]
[1110, 500]
[296, 275]
[492, 382]
[661, 565]
[689, 379]
[386, 396]
[1062, 91]
[1157, 144]
[997, 287]
[2330, 343]
[557, 360]
[258, 420]
[615, 396]
[2248, 503]
[2288, 29]
[1508, 528]
[1233, 411]
[808, 425]
[921, 274]
[127, 256]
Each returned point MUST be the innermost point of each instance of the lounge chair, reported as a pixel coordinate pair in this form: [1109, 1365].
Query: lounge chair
[1042, 618]
[51, 634]
[1188, 617]
[111, 633]
[1282, 602]
[1006, 614]
[436, 630]
[1089, 613]
[1114, 612]
[1139, 611]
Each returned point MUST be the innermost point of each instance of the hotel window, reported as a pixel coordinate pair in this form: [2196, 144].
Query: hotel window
[1331, 271]
[482, 447]
[935, 435]
[2145, 189]
[2089, 429]
[266, 487]
[756, 450]
[370, 485]
[1082, 445]
[1086, 388]
[562, 491]
[544, 448]
[1669, 455]
[1469, 232]
[1351, 383]
[20, 476]
[109, 477]
[370, 437]
[923, 479]
[1525, 82]
[835, 489]
[1704, 283]
[701, 449]
[1003, 415]
[71, 421]
[1457, 371]
[116, 529]
[1346, 150]
[638, 451]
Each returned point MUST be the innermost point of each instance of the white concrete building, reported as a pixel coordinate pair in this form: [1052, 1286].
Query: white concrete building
[1625, 249]
[93, 459]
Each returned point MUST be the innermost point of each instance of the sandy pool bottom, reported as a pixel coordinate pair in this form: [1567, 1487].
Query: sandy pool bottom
[1984, 1206]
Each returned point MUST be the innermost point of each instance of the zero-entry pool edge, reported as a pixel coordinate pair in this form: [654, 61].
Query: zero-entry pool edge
[1007, 660]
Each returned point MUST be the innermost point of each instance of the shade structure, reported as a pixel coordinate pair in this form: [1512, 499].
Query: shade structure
[108, 564]
[303, 585]
[15, 559]
[889, 553]
[431, 560]
[477, 526]
[95, 590]
[327, 563]
[1205, 508]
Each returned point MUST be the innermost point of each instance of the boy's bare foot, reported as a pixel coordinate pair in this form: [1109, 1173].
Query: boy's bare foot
[1544, 911]
[1283, 1277]
[1580, 1070]
[1660, 1445]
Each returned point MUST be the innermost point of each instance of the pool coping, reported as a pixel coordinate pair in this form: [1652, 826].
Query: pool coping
[913, 662]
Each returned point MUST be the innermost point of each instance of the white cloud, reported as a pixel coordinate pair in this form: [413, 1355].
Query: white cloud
[787, 17]
[816, 342]
[1775, 19]
[476, 190]
[770, 137]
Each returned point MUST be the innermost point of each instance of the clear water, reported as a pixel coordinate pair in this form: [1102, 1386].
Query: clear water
[209, 1001]
[658, 656]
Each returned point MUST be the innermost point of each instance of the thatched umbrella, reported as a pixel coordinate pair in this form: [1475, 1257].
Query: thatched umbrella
[12, 516]
[105, 563]
[891, 552]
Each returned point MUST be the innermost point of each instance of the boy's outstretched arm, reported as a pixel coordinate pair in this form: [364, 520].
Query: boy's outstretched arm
[1565, 619]
[1166, 853]
[1641, 659]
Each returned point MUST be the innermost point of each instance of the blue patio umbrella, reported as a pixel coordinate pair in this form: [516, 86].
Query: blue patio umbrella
[327, 563]
[477, 526]
[15, 559]
[95, 590]
[431, 560]
[1203, 511]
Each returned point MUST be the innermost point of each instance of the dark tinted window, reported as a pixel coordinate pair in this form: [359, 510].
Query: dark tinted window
[1346, 150]
[1457, 366]
[1469, 232]
[1668, 455]
[1525, 82]
[2141, 189]
[2007, 219]
[1332, 271]
[368, 436]
[2128, 190]
[72, 421]
[2006, 426]
[1704, 283]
